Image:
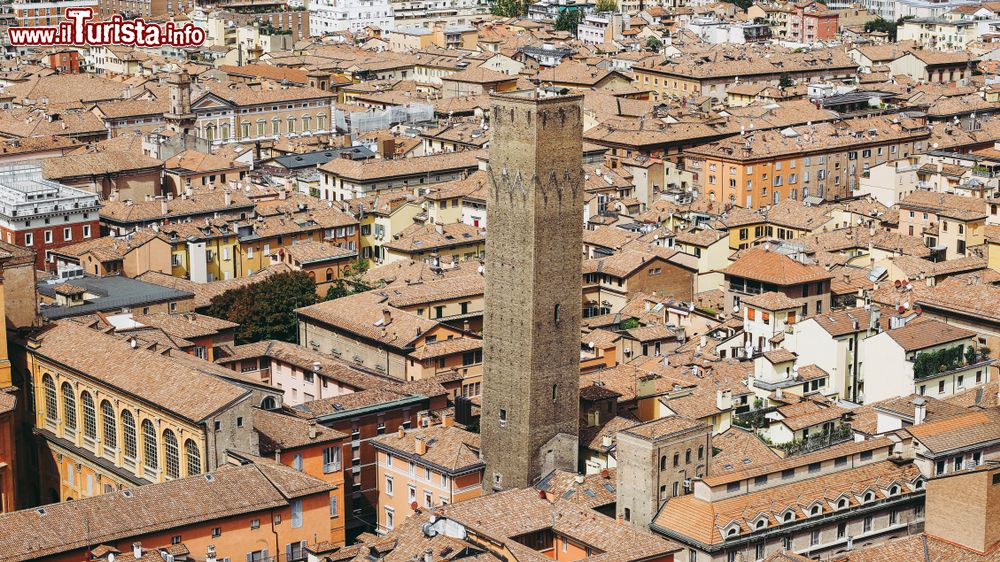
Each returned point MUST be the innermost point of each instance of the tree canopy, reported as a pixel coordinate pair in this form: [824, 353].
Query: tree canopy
[606, 6]
[509, 8]
[350, 282]
[883, 25]
[653, 43]
[568, 20]
[265, 310]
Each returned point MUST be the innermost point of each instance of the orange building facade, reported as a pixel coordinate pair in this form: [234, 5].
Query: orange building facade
[262, 512]
[426, 468]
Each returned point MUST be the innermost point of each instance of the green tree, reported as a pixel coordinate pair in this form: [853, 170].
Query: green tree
[741, 4]
[351, 282]
[606, 6]
[653, 43]
[266, 310]
[785, 81]
[568, 20]
[883, 25]
[628, 324]
[509, 8]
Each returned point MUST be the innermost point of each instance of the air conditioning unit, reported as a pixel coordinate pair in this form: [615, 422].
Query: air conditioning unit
[687, 483]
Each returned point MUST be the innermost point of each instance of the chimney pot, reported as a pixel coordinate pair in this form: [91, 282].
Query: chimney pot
[919, 410]
[137, 550]
[420, 446]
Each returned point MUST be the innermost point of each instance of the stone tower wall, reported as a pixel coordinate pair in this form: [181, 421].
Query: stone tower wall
[533, 288]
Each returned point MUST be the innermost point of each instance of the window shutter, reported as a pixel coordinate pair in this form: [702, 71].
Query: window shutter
[249, 557]
[288, 551]
[264, 554]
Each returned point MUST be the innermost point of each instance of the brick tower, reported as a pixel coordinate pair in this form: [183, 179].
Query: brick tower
[180, 118]
[533, 284]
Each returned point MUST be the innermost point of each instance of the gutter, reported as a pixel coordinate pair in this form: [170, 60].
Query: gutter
[368, 409]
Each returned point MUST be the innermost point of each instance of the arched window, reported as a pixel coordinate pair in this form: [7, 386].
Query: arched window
[687, 457]
[210, 132]
[69, 406]
[89, 416]
[171, 455]
[321, 121]
[329, 274]
[761, 523]
[815, 510]
[149, 453]
[869, 497]
[291, 124]
[224, 132]
[733, 531]
[268, 403]
[128, 434]
[677, 459]
[663, 462]
[109, 426]
[193, 457]
[701, 452]
[51, 404]
[842, 504]
[893, 490]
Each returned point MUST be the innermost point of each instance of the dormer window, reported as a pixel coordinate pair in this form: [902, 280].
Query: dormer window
[815, 510]
[761, 523]
[842, 503]
[733, 530]
[893, 490]
[869, 496]
[789, 516]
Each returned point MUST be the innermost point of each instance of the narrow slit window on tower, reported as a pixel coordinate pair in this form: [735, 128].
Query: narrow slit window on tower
[555, 313]
[503, 417]
[554, 392]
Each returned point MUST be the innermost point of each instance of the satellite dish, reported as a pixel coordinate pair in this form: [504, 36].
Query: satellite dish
[736, 308]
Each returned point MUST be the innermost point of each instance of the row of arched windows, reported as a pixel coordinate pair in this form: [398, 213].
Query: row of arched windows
[109, 431]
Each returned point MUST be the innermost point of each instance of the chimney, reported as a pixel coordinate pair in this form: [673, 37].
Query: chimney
[428, 555]
[439, 228]
[607, 441]
[579, 478]
[778, 393]
[386, 316]
[919, 410]
[420, 446]
[873, 323]
[164, 207]
[447, 421]
[210, 554]
[229, 197]
[724, 399]
[401, 432]
[312, 430]
[137, 550]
